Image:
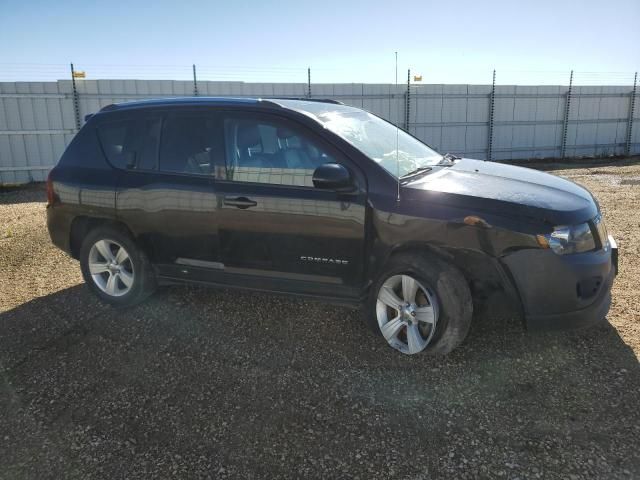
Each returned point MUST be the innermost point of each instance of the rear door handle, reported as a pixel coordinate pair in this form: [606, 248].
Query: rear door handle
[240, 202]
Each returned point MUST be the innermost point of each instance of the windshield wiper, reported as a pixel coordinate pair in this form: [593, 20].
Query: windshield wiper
[448, 158]
[416, 171]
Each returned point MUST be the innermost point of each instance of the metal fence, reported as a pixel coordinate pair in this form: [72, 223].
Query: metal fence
[491, 122]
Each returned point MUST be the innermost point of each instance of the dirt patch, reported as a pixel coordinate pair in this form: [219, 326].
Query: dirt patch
[205, 383]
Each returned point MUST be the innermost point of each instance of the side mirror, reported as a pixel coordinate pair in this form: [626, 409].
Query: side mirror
[333, 176]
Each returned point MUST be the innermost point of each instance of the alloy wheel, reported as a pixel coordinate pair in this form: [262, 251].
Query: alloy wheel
[111, 267]
[407, 313]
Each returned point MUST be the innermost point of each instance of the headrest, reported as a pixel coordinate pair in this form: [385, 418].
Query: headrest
[284, 132]
[248, 136]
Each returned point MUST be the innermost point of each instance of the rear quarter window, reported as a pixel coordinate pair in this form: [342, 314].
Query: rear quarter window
[131, 143]
[84, 150]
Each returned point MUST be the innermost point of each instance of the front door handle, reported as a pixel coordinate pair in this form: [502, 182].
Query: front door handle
[240, 202]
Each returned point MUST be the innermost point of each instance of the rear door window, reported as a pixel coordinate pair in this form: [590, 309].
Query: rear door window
[190, 144]
[131, 143]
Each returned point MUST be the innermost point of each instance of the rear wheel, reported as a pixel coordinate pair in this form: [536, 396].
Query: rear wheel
[115, 268]
[420, 303]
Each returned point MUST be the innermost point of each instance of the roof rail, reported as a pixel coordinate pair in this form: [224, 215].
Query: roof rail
[162, 101]
[319, 100]
[154, 102]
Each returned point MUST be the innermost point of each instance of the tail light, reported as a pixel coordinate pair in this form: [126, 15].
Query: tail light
[51, 195]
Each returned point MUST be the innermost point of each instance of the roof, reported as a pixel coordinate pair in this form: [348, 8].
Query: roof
[211, 101]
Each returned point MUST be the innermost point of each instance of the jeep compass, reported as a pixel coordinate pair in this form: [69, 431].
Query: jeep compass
[323, 200]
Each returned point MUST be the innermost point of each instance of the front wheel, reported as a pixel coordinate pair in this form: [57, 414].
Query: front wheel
[114, 268]
[420, 303]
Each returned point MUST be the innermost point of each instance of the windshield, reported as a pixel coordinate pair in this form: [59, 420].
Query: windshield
[373, 136]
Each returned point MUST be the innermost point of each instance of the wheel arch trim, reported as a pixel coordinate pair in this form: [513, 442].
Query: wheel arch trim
[81, 225]
[481, 271]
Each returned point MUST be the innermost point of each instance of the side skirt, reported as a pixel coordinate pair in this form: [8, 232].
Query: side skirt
[329, 292]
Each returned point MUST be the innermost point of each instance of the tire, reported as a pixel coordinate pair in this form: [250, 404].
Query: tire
[117, 280]
[441, 310]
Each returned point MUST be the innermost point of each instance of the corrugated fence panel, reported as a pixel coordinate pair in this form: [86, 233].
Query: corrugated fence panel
[37, 119]
[454, 119]
[386, 101]
[426, 115]
[477, 135]
[547, 121]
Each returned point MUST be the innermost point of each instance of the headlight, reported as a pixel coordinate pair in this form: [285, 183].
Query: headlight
[568, 239]
[602, 232]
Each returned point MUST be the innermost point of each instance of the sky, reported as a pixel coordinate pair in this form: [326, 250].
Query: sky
[527, 42]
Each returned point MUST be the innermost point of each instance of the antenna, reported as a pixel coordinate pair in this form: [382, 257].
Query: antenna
[397, 141]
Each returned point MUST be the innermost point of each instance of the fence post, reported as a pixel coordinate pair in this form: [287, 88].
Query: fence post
[76, 100]
[195, 81]
[492, 103]
[632, 104]
[309, 82]
[565, 127]
[407, 109]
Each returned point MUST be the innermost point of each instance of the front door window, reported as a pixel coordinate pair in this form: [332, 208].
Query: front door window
[267, 151]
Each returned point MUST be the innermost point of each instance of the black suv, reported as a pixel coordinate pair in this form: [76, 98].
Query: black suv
[323, 200]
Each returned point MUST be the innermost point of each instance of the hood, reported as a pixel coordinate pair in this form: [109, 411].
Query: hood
[506, 189]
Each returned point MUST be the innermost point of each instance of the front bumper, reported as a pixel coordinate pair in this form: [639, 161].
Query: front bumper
[614, 253]
[564, 291]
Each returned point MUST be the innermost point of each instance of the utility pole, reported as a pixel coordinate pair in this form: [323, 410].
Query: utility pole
[492, 104]
[76, 100]
[632, 104]
[407, 108]
[195, 82]
[565, 127]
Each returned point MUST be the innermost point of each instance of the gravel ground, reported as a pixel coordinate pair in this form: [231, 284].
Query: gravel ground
[211, 383]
